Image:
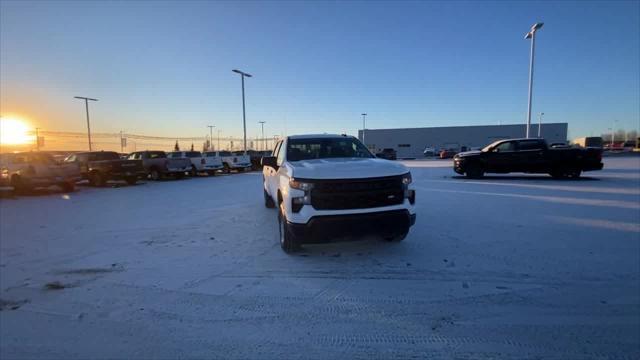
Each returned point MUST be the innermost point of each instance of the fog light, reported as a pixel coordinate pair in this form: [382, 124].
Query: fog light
[298, 202]
[411, 195]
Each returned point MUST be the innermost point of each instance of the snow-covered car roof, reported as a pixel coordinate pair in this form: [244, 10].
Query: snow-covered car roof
[315, 136]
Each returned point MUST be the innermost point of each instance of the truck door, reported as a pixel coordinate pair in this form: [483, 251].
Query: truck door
[503, 158]
[531, 156]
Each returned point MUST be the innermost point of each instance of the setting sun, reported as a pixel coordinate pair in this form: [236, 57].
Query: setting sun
[14, 132]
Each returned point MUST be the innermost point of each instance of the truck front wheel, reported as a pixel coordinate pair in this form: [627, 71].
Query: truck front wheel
[474, 172]
[288, 242]
[268, 200]
[96, 179]
[397, 237]
[131, 180]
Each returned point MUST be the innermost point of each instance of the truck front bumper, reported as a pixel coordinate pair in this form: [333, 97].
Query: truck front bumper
[330, 228]
[239, 165]
[593, 167]
[122, 175]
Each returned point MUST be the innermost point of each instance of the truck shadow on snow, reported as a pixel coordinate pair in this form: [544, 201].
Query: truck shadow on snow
[528, 178]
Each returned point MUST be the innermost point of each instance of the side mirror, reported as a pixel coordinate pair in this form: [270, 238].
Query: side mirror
[269, 161]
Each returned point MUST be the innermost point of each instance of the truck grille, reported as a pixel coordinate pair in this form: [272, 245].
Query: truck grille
[357, 193]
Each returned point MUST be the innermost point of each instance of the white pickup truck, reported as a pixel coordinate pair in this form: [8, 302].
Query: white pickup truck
[329, 186]
[234, 161]
[200, 162]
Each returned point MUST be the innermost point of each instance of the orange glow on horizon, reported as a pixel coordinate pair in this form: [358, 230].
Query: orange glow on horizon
[14, 131]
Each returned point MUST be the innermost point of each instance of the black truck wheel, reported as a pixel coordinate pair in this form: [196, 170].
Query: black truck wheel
[68, 186]
[288, 242]
[154, 174]
[397, 237]
[268, 201]
[474, 172]
[19, 186]
[97, 179]
[131, 180]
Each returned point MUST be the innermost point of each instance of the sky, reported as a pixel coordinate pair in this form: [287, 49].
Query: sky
[164, 68]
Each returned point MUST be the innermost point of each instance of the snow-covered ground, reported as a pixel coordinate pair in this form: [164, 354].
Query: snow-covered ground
[504, 267]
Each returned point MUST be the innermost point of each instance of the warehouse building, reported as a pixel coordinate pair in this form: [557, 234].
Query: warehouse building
[411, 142]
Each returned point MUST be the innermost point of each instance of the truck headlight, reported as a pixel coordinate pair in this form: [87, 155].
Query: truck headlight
[406, 179]
[300, 185]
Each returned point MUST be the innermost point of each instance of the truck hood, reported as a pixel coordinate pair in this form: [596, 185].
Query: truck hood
[469, 153]
[346, 168]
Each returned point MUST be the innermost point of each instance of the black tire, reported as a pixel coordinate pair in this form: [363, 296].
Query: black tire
[68, 186]
[288, 242]
[155, 175]
[131, 180]
[397, 237]
[268, 200]
[557, 174]
[227, 169]
[97, 179]
[474, 172]
[211, 173]
[574, 173]
[19, 186]
[194, 171]
[179, 175]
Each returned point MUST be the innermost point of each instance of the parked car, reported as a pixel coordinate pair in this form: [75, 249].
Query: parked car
[529, 156]
[213, 162]
[388, 153]
[157, 165]
[589, 141]
[101, 166]
[256, 157]
[429, 152]
[25, 171]
[199, 162]
[328, 186]
[237, 160]
[447, 153]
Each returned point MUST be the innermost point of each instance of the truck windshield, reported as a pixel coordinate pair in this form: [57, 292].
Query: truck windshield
[106, 155]
[490, 146]
[321, 148]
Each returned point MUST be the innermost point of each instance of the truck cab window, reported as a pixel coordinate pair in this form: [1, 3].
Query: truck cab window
[506, 147]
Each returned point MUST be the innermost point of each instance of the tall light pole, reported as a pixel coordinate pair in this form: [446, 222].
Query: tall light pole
[244, 119]
[531, 35]
[86, 105]
[211, 135]
[264, 142]
[37, 140]
[364, 126]
[540, 124]
[219, 139]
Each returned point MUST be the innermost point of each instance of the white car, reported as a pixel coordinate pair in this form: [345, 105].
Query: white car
[429, 152]
[199, 162]
[329, 186]
[232, 161]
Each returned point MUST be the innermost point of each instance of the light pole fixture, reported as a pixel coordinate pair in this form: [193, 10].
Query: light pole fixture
[211, 135]
[37, 140]
[219, 139]
[264, 141]
[86, 105]
[540, 124]
[364, 126]
[531, 35]
[244, 118]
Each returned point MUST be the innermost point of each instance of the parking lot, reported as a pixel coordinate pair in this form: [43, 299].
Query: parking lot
[514, 266]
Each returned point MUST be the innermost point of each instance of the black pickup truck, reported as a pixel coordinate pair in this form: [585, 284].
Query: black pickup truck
[101, 166]
[527, 156]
